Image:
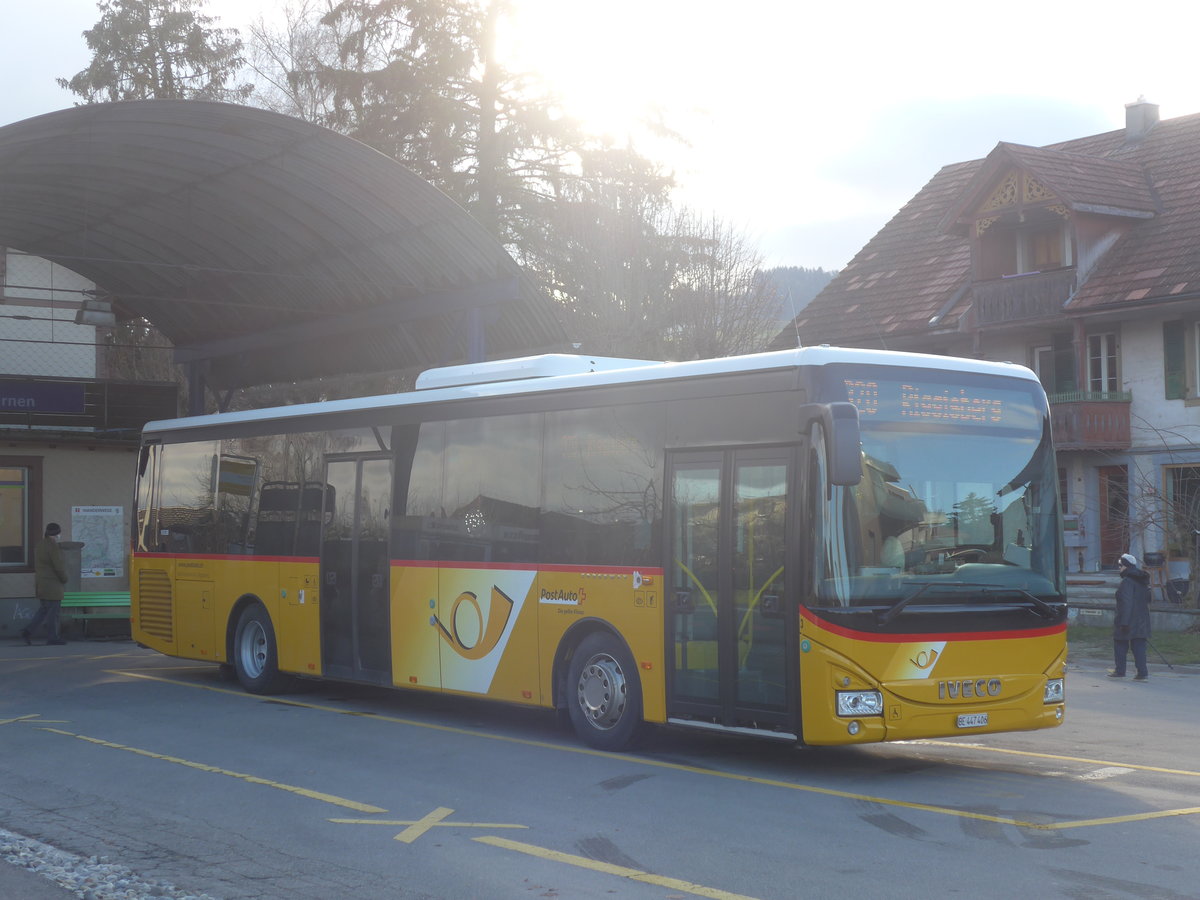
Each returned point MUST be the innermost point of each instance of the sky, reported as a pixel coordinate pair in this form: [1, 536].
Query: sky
[807, 125]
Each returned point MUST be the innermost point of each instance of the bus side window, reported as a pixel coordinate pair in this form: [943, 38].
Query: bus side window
[491, 489]
[289, 518]
[182, 499]
[417, 489]
[145, 534]
[602, 485]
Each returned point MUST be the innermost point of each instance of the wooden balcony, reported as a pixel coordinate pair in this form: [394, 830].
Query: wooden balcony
[1037, 295]
[1087, 420]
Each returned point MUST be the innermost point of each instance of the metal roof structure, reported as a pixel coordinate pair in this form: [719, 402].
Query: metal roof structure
[264, 247]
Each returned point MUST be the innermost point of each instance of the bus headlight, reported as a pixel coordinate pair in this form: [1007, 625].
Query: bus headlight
[1054, 691]
[859, 703]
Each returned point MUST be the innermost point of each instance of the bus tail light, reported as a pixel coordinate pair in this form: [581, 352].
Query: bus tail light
[859, 703]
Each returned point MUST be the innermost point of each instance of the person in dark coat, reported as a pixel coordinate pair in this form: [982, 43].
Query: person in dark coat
[1131, 624]
[50, 574]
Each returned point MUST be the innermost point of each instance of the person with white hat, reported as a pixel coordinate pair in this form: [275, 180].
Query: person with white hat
[1131, 624]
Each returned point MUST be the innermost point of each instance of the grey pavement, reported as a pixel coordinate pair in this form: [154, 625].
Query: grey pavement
[19, 883]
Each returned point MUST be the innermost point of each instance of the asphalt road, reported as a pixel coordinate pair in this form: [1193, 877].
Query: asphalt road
[159, 766]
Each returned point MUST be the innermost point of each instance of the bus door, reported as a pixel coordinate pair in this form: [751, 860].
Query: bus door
[355, 624]
[731, 613]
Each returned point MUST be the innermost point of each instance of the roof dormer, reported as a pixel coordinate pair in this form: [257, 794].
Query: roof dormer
[1021, 227]
[1046, 216]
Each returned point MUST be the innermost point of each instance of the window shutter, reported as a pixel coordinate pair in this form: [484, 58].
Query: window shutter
[1174, 360]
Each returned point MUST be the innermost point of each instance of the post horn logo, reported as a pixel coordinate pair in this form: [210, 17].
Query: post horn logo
[488, 635]
[924, 659]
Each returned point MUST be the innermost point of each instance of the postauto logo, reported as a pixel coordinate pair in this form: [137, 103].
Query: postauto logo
[469, 635]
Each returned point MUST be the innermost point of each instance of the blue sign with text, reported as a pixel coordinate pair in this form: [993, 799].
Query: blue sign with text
[40, 397]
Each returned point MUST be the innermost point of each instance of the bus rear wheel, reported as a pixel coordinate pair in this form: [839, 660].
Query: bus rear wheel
[255, 653]
[604, 693]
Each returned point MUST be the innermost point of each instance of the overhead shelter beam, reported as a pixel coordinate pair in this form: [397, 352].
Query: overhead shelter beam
[441, 303]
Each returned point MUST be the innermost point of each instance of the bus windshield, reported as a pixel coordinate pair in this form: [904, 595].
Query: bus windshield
[958, 499]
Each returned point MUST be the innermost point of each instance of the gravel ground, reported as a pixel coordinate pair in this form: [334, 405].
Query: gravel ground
[89, 878]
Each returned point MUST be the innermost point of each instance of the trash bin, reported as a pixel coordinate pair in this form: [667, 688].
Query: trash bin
[73, 558]
[1177, 590]
[1155, 560]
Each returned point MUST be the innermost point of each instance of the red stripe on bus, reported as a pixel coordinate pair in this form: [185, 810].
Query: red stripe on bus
[523, 567]
[872, 637]
[419, 563]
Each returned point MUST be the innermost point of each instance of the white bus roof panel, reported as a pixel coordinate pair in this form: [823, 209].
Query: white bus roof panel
[634, 372]
[547, 365]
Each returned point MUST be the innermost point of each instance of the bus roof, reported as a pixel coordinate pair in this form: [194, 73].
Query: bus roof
[524, 376]
[544, 366]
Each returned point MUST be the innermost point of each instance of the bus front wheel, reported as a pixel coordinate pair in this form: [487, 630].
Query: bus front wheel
[255, 654]
[604, 693]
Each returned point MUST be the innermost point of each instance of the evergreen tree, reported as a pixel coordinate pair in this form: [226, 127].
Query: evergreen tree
[143, 49]
[639, 277]
[602, 254]
[419, 80]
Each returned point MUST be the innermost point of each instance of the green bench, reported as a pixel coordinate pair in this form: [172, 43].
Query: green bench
[83, 606]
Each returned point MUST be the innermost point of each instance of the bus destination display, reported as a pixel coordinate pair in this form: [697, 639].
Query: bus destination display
[914, 401]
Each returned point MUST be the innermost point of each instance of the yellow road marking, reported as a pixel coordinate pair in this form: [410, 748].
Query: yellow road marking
[425, 821]
[1118, 820]
[33, 719]
[584, 862]
[418, 828]
[732, 776]
[204, 767]
[1077, 759]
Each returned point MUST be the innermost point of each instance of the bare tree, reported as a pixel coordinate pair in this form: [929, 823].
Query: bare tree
[720, 304]
[137, 351]
[1166, 513]
[638, 277]
[288, 60]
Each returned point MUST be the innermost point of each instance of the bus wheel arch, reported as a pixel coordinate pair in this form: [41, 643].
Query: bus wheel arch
[254, 650]
[600, 687]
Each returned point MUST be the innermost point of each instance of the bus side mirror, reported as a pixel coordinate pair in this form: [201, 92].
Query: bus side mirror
[843, 444]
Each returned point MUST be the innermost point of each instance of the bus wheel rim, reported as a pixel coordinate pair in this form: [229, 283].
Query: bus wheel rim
[254, 649]
[601, 690]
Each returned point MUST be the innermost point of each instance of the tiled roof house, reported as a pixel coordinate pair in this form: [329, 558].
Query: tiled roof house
[1082, 261]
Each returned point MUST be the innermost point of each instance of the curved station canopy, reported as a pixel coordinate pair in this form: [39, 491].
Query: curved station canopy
[264, 247]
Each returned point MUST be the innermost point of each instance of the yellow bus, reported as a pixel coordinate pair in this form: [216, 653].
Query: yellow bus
[818, 545]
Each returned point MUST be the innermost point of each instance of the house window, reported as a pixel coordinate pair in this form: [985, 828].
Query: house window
[1194, 349]
[1182, 495]
[1055, 366]
[1010, 249]
[1175, 336]
[20, 508]
[1181, 361]
[1043, 249]
[1102, 363]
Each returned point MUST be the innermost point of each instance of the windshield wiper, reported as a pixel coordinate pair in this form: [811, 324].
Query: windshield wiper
[885, 617]
[1040, 606]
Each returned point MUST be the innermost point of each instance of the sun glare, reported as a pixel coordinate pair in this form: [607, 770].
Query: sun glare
[600, 59]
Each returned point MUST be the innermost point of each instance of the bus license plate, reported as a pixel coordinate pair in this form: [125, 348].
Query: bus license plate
[973, 720]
